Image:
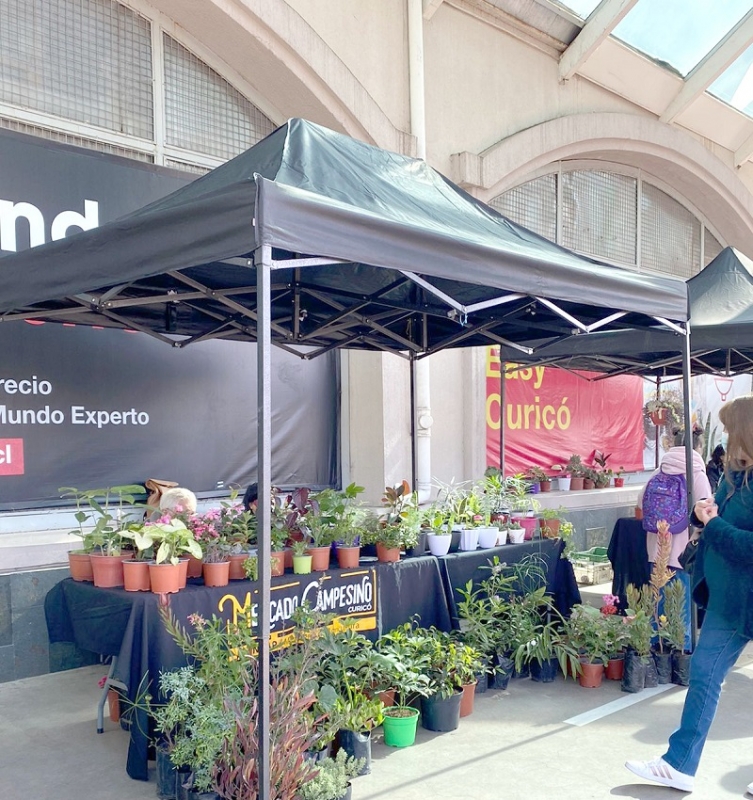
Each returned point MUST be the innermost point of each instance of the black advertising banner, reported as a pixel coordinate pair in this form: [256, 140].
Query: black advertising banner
[90, 407]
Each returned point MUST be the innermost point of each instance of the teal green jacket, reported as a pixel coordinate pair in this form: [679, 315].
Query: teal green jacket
[723, 574]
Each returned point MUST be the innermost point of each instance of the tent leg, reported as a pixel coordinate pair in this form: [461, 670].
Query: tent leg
[502, 366]
[689, 458]
[263, 511]
[413, 442]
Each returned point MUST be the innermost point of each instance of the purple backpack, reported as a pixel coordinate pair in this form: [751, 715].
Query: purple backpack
[666, 498]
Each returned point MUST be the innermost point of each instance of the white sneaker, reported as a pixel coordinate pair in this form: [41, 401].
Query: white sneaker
[659, 771]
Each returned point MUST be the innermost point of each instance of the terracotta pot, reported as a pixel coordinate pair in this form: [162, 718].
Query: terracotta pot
[236, 566]
[659, 417]
[108, 570]
[80, 565]
[217, 573]
[619, 483]
[387, 697]
[194, 567]
[550, 528]
[615, 669]
[529, 525]
[288, 558]
[576, 484]
[136, 576]
[348, 557]
[319, 558]
[466, 701]
[588, 483]
[183, 564]
[387, 554]
[591, 675]
[165, 578]
[277, 562]
[544, 486]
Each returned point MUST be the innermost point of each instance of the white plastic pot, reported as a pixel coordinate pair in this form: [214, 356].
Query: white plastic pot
[469, 539]
[439, 544]
[487, 537]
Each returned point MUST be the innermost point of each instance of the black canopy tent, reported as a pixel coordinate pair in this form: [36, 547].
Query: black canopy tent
[312, 241]
[720, 297]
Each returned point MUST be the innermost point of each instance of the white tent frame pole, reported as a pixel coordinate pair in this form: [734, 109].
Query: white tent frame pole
[263, 510]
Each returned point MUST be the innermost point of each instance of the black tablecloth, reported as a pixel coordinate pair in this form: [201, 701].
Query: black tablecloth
[128, 624]
[458, 568]
[629, 557]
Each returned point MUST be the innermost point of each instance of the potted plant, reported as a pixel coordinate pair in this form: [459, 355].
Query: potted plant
[439, 530]
[175, 540]
[515, 532]
[399, 523]
[639, 670]
[301, 557]
[619, 480]
[408, 666]
[661, 412]
[589, 635]
[563, 479]
[546, 648]
[330, 778]
[536, 473]
[673, 630]
[136, 570]
[550, 520]
[576, 469]
[109, 511]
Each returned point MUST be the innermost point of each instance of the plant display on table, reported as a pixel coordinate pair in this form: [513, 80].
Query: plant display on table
[173, 538]
[331, 776]
[575, 467]
[108, 511]
[399, 523]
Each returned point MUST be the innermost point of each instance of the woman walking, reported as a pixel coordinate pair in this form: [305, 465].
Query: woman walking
[722, 580]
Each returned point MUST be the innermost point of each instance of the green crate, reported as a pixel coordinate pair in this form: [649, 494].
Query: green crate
[596, 555]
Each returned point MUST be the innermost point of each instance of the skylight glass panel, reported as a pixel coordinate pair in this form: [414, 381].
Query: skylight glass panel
[679, 32]
[582, 8]
[735, 84]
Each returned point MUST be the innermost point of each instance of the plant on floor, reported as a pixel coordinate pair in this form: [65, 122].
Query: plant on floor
[588, 631]
[661, 575]
[673, 623]
[331, 776]
[639, 619]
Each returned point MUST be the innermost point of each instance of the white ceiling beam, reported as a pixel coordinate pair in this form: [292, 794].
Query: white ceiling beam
[602, 21]
[711, 66]
[430, 6]
[744, 152]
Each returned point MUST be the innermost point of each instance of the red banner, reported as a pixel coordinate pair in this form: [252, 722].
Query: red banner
[551, 413]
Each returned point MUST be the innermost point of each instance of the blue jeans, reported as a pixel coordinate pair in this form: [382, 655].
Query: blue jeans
[719, 646]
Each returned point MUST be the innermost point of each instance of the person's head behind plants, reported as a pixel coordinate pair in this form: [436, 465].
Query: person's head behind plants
[678, 437]
[717, 455]
[737, 418]
[177, 501]
[251, 497]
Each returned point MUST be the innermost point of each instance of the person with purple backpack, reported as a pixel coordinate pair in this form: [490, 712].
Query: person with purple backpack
[665, 496]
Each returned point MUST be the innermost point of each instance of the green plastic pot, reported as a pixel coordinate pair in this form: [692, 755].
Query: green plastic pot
[400, 731]
[301, 565]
